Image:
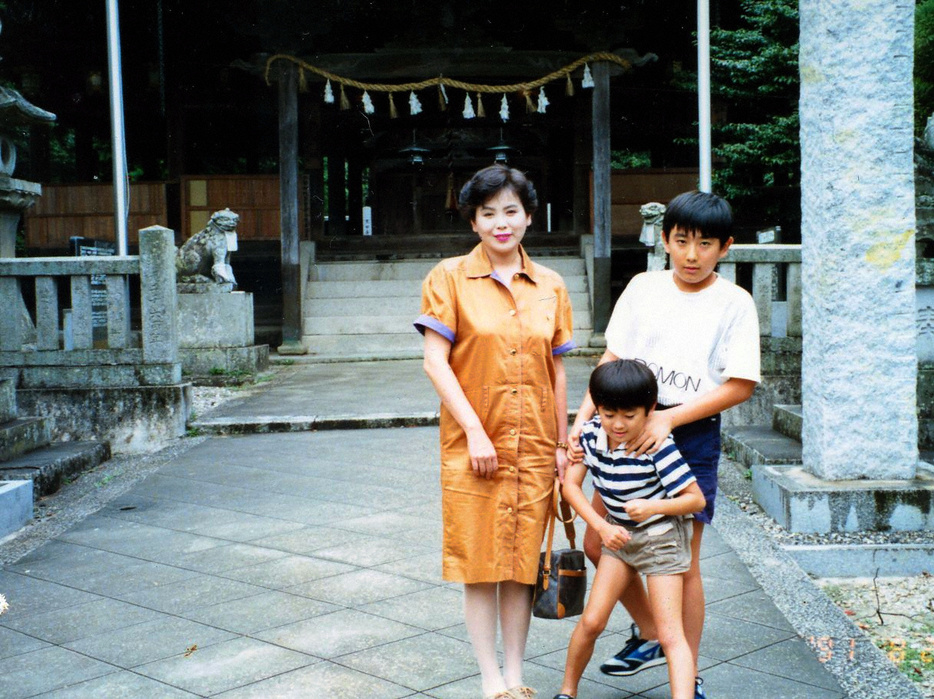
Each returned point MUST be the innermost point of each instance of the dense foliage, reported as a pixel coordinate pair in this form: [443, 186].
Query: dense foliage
[754, 73]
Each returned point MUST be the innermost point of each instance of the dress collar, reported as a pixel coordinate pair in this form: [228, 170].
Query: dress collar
[478, 264]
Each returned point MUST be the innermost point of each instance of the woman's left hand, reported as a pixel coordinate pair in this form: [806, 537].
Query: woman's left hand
[561, 462]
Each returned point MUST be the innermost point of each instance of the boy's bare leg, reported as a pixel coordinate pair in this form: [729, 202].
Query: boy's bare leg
[480, 615]
[612, 576]
[633, 597]
[666, 598]
[515, 613]
[693, 614]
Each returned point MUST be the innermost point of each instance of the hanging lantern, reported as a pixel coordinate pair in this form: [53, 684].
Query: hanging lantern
[542, 100]
[328, 93]
[587, 80]
[367, 103]
[468, 107]
[415, 107]
[504, 109]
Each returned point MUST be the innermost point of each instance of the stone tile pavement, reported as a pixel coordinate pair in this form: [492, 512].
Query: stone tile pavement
[308, 564]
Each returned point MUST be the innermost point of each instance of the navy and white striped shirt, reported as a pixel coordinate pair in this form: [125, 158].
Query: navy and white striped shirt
[619, 476]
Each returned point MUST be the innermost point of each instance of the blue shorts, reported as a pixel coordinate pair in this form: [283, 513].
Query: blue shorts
[699, 444]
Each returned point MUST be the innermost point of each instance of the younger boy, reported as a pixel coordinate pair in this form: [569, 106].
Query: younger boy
[699, 334]
[644, 530]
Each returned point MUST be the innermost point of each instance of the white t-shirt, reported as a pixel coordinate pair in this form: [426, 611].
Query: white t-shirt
[692, 342]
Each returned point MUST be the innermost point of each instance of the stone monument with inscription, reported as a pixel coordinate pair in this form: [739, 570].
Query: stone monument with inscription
[216, 333]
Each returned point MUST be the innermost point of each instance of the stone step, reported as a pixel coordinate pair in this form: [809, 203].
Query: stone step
[787, 420]
[397, 305]
[16, 501]
[349, 324]
[48, 468]
[754, 444]
[412, 269]
[386, 288]
[7, 401]
[364, 347]
[23, 435]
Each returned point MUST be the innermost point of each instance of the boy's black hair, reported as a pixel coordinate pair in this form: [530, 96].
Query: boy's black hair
[486, 183]
[622, 385]
[703, 212]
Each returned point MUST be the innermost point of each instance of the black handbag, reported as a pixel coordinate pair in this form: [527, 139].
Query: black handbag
[562, 576]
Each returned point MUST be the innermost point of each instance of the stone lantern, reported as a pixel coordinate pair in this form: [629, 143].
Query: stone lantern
[15, 195]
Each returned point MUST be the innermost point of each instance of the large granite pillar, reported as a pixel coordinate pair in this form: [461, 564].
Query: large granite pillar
[858, 251]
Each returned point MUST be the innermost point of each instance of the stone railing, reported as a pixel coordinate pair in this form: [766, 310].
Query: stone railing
[775, 279]
[47, 356]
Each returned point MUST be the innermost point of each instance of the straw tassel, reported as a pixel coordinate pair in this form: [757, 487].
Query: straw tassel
[345, 103]
[442, 97]
[529, 106]
[302, 80]
[328, 93]
[481, 112]
[569, 86]
[393, 112]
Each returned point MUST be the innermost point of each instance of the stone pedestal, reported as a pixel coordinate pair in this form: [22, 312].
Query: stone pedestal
[859, 365]
[216, 331]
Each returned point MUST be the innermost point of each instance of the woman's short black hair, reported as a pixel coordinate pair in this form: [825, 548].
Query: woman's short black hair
[622, 385]
[703, 212]
[486, 183]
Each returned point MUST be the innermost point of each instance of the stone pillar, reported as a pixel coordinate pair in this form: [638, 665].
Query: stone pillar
[858, 219]
[158, 295]
[602, 249]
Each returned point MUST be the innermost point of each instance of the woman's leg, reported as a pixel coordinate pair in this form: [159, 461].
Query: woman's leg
[612, 576]
[515, 613]
[480, 616]
[665, 597]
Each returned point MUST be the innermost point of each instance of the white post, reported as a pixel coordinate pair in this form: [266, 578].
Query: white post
[703, 94]
[117, 136]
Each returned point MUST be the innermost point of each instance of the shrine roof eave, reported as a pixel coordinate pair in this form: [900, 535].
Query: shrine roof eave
[404, 65]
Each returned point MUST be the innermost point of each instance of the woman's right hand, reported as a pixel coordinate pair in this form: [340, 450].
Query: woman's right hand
[482, 453]
[613, 536]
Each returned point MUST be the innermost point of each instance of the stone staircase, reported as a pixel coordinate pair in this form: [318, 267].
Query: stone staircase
[758, 444]
[31, 465]
[364, 310]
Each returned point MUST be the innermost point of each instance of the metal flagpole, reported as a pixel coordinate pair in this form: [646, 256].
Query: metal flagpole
[118, 139]
[703, 93]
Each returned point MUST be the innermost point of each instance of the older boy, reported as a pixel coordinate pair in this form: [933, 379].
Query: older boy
[699, 334]
[642, 528]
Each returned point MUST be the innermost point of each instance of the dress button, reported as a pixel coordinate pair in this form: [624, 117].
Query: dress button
[513, 391]
[513, 351]
[512, 432]
[512, 469]
[515, 276]
[509, 510]
[512, 311]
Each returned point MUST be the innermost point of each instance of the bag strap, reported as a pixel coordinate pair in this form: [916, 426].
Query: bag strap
[567, 516]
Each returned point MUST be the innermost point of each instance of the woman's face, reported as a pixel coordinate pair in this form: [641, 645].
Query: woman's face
[501, 222]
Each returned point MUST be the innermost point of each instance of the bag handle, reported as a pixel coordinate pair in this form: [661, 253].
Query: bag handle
[566, 517]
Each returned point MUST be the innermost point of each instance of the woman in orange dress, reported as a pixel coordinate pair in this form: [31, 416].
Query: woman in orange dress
[496, 325]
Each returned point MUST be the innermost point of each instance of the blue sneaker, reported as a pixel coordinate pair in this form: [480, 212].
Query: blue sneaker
[638, 654]
[699, 688]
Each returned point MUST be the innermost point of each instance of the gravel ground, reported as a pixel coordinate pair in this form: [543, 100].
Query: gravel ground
[897, 614]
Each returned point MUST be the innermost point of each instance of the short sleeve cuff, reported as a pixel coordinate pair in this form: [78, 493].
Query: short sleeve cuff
[424, 321]
[561, 349]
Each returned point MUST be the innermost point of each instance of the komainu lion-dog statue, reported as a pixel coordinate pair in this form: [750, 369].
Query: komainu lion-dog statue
[205, 257]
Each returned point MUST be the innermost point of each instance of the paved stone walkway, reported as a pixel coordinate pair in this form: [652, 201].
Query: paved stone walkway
[308, 564]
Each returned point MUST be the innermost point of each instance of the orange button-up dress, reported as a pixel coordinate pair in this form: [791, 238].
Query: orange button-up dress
[503, 345]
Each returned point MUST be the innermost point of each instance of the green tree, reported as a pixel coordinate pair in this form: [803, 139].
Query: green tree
[754, 76]
[924, 63]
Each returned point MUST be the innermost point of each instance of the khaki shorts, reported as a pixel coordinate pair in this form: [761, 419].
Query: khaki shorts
[661, 548]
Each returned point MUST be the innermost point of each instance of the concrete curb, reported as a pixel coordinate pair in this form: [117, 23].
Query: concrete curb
[863, 560]
[862, 670]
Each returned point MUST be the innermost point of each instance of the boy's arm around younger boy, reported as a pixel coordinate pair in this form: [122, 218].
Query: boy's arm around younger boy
[613, 536]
